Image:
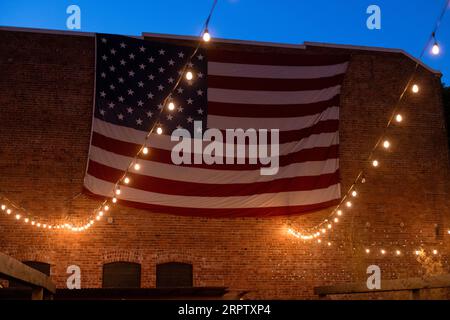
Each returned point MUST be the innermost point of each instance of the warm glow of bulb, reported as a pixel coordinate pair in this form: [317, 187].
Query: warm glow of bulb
[319, 241]
[159, 130]
[189, 75]
[323, 230]
[398, 252]
[106, 208]
[171, 106]
[8, 211]
[3, 207]
[145, 150]
[336, 220]
[386, 144]
[329, 226]
[348, 204]
[114, 200]
[375, 163]
[100, 213]
[398, 118]
[206, 36]
[329, 243]
[435, 251]
[18, 216]
[367, 250]
[435, 49]
[354, 193]
[117, 191]
[98, 218]
[383, 251]
[339, 212]
[417, 252]
[38, 225]
[415, 88]
[26, 220]
[126, 180]
[137, 166]
[33, 223]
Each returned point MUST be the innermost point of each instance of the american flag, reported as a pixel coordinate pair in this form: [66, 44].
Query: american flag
[296, 93]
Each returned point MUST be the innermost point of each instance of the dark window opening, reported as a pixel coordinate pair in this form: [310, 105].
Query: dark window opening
[174, 275]
[121, 275]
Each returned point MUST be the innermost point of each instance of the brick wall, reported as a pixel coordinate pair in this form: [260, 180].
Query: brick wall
[46, 91]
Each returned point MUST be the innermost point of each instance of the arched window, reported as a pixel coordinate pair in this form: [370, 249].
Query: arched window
[174, 275]
[121, 275]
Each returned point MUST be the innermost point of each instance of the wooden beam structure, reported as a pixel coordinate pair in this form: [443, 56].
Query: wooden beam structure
[12, 269]
[414, 285]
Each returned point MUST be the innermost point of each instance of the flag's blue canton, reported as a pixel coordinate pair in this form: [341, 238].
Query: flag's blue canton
[134, 76]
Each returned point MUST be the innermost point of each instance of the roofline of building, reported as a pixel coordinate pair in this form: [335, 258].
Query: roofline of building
[233, 41]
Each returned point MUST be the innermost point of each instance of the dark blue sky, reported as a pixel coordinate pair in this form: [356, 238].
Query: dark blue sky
[405, 24]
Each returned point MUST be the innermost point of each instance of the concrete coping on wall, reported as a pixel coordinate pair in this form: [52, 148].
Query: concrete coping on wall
[304, 45]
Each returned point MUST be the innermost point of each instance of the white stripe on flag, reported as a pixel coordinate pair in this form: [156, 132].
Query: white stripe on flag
[205, 175]
[279, 199]
[274, 72]
[271, 97]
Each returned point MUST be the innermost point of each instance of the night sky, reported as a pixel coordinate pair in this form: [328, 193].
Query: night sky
[405, 24]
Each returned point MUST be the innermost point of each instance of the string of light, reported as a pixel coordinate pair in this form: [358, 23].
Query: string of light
[319, 230]
[20, 214]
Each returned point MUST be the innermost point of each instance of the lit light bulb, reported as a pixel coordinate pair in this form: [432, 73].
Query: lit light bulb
[375, 163]
[38, 225]
[114, 200]
[354, 193]
[26, 220]
[398, 252]
[435, 251]
[171, 106]
[348, 204]
[33, 223]
[189, 75]
[44, 226]
[448, 231]
[206, 36]
[336, 220]
[8, 211]
[100, 213]
[3, 207]
[137, 166]
[398, 118]
[319, 241]
[324, 230]
[367, 250]
[329, 244]
[118, 191]
[339, 212]
[159, 130]
[435, 49]
[329, 226]
[17, 216]
[145, 150]
[126, 180]
[417, 252]
[363, 180]
[106, 208]
[98, 218]
[415, 88]
[386, 144]
[383, 251]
